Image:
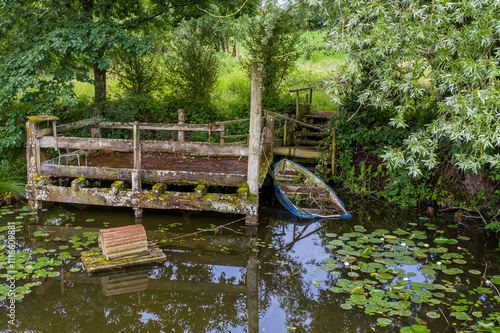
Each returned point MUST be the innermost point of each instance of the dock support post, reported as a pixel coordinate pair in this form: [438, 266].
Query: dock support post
[180, 134]
[253, 294]
[334, 147]
[136, 172]
[254, 141]
[269, 134]
[33, 165]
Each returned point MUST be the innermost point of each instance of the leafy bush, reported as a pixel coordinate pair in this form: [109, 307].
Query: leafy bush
[273, 37]
[138, 74]
[192, 66]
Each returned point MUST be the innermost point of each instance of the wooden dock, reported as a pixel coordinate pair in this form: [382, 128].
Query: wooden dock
[141, 173]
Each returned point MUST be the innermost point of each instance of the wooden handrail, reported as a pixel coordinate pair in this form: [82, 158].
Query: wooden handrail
[294, 120]
[302, 89]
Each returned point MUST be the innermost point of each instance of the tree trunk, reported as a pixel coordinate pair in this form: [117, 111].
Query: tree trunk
[227, 44]
[223, 44]
[236, 51]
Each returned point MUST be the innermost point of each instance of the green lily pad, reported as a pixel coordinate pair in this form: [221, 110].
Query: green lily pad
[432, 314]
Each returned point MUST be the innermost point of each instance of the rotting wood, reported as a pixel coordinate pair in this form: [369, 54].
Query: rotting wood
[158, 189]
[239, 136]
[254, 140]
[32, 157]
[164, 127]
[68, 127]
[212, 149]
[79, 183]
[117, 187]
[166, 176]
[200, 191]
[94, 262]
[298, 152]
[223, 203]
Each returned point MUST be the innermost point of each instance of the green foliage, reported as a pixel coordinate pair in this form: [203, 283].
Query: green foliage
[12, 179]
[192, 66]
[445, 54]
[139, 74]
[273, 36]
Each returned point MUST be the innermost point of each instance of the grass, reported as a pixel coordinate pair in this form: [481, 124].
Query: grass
[232, 94]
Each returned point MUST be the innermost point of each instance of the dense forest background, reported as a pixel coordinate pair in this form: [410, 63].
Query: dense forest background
[415, 84]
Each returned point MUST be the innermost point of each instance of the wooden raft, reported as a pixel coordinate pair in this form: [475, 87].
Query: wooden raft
[122, 247]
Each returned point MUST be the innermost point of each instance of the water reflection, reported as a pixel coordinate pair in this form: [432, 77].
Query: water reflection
[226, 282]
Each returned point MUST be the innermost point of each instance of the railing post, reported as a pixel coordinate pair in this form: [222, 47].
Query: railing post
[334, 147]
[254, 141]
[33, 165]
[180, 134]
[136, 172]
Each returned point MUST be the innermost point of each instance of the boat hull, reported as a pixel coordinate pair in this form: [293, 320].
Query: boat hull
[301, 213]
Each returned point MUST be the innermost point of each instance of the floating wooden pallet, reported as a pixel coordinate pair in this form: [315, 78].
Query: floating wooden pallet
[94, 260]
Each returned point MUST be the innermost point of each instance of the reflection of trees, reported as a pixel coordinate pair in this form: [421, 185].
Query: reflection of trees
[84, 308]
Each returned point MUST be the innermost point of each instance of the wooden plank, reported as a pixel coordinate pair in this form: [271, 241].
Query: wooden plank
[297, 152]
[164, 127]
[240, 136]
[254, 141]
[229, 122]
[88, 143]
[199, 148]
[68, 127]
[93, 260]
[224, 203]
[166, 176]
[295, 120]
[302, 89]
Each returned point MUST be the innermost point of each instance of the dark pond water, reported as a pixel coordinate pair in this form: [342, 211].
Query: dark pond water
[322, 276]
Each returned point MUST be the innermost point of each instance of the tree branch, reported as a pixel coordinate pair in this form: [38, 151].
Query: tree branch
[162, 11]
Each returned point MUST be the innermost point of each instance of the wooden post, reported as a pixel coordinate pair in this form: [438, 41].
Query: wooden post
[136, 172]
[297, 108]
[254, 142]
[180, 134]
[32, 163]
[269, 134]
[222, 133]
[310, 96]
[284, 133]
[334, 134]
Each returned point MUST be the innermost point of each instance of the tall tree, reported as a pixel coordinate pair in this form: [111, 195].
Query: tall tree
[56, 42]
[410, 56]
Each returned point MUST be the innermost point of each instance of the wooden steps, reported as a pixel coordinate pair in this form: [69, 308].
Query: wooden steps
[319, 115]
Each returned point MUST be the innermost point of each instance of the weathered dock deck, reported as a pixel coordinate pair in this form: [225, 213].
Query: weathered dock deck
[141, 173]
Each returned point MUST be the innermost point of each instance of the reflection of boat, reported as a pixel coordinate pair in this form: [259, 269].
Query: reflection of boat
[304, 194]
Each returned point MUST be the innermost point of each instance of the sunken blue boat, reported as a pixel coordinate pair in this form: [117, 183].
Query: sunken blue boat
[305, 194]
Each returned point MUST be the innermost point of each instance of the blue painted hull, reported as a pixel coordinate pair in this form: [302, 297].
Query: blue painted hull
[299, 212]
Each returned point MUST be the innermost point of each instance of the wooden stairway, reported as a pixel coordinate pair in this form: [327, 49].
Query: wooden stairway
[301, 142]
